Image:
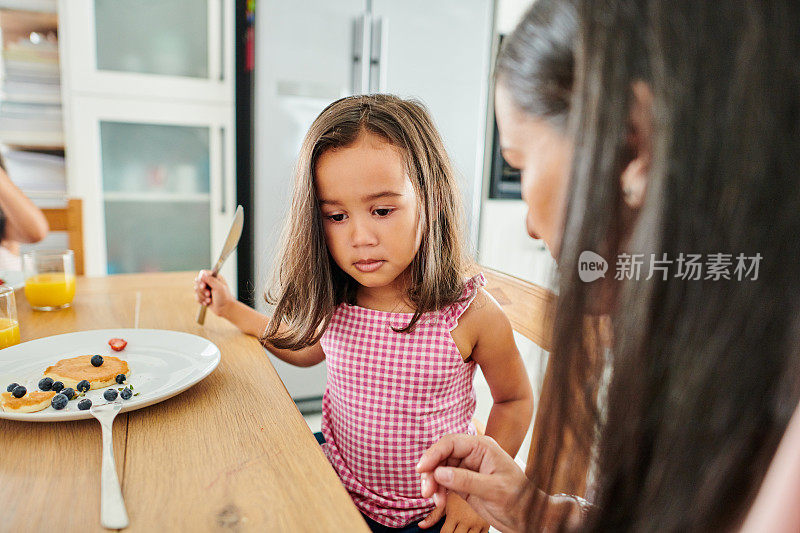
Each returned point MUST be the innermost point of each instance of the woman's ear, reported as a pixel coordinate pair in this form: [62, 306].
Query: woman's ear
[633, 180]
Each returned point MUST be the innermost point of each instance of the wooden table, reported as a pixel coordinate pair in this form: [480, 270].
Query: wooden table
[230, 453]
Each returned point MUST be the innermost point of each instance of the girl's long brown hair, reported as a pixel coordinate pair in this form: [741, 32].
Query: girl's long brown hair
[309, 285]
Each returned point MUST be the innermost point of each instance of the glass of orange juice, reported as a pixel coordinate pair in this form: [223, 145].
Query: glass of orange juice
[49, 278]
[9, 326]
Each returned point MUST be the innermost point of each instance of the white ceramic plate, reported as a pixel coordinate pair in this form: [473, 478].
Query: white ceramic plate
[162, 364]
[12, 278]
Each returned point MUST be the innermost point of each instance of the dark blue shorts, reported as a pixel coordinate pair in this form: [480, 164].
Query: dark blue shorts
[411, 528]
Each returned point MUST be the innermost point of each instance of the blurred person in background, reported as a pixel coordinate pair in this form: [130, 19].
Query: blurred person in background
[20, 222]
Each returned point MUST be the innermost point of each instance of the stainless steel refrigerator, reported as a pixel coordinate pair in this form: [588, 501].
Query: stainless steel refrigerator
[311, 52]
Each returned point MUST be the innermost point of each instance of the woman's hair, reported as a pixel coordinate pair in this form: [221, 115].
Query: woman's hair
[705, 372]
[537, 61]
[309, 284]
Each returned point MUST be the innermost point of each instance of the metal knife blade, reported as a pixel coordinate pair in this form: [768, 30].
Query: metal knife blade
[230, 245]
[233, 238]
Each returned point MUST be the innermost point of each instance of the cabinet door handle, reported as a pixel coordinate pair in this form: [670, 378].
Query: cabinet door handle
[223, 175]
[222, 39]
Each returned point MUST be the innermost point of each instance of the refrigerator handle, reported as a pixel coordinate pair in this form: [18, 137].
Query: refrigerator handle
[362, 40]
[378, 62]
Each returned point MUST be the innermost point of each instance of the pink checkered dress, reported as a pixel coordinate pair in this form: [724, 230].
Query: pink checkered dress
[389, 397]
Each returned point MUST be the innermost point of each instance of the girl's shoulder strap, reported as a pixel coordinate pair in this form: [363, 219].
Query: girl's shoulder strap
[453, 312]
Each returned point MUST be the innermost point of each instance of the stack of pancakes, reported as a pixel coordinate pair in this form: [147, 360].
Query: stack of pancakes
[69, 372]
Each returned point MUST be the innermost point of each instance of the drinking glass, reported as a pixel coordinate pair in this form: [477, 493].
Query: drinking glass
[9, 326]
[49, 278]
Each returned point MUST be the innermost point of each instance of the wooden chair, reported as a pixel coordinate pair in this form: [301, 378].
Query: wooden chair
[529, 308]
[69, 219]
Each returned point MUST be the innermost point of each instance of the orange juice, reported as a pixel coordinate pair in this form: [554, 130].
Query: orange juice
[50, 289]
[9, 332]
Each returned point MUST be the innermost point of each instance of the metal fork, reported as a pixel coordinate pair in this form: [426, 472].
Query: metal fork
[112, 507]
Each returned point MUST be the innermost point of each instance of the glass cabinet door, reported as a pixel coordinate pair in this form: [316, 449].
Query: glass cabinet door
[176, 32]
[158, 183]
[170, 49]
[156, 195]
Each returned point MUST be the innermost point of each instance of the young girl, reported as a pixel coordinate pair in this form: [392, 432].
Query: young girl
[371, 279]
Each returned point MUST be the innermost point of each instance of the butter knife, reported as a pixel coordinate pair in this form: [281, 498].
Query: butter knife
[230, 245]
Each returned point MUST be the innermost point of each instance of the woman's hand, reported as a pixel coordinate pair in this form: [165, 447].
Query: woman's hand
[213, 292]
[479, 471]
[489, 480]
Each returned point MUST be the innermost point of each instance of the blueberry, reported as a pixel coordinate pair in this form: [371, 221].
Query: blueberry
[11, 387]
[84, 385]
[97, 360]
[59, 401]
[84, 404]
[120, 378]
[69, 392]
[19, 391]
[126, 393]
[45, 384]
[57, 386]
[110, 395]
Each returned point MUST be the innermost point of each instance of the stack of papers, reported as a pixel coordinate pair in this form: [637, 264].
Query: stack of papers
[30, 92]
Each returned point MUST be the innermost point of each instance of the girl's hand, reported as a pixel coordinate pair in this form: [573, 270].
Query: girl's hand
[213, 292]
[433, 518]
[460, 517]
[484, 475]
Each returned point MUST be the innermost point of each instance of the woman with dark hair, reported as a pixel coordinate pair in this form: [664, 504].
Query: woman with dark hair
[682, 144]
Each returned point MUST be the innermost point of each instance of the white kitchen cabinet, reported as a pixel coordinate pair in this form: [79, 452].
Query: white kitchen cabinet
[157, 179]
[148, 95]
[167, 49]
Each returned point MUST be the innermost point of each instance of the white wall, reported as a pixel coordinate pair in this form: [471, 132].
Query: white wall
[506, 246]
[509, 12]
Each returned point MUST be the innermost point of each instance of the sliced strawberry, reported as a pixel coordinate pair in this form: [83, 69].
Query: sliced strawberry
[118, 344]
